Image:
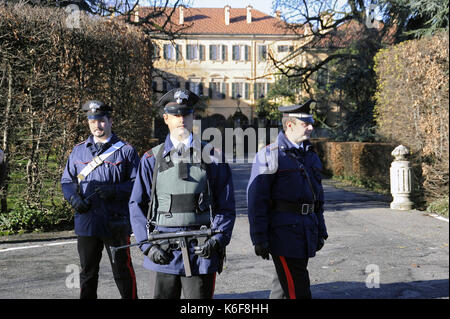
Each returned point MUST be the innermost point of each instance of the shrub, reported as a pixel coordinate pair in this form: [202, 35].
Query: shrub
[412, 107]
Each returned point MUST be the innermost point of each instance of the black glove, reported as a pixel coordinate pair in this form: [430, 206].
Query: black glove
[79, 204]
[158, 255]
[106, 191]
[320, 243]
[207, 248]
[262, 250]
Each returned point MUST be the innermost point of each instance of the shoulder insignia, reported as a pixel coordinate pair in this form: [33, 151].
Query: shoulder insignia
[80, 143]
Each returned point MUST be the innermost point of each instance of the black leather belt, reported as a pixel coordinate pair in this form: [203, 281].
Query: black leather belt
[296, 207]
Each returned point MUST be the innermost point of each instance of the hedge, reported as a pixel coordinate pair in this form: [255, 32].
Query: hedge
[412, 107]
[48, 69]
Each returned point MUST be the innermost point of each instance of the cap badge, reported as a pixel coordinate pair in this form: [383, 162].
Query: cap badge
[94, 106]
[179, 96]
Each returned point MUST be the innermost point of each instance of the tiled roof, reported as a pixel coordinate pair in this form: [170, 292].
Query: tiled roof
[347, 33]
[212, 21]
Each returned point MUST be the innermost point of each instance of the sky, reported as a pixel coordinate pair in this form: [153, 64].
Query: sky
[261, 5]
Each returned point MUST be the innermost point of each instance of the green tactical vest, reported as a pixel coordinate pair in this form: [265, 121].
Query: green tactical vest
[180, 200]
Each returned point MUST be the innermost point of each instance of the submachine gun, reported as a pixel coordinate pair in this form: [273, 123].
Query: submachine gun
[175, 240]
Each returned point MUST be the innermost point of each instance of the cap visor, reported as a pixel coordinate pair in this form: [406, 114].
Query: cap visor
[95, 116]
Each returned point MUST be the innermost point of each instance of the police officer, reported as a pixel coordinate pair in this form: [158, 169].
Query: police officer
[97, 182]
[192, 187]
[285, 202]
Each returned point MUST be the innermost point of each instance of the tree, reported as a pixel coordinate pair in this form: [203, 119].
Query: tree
[350, 36]
[417, 18]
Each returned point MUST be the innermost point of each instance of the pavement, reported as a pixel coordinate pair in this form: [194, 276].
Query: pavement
[373, 252]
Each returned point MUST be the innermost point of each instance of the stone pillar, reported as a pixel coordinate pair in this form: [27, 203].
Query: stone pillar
[401, 182]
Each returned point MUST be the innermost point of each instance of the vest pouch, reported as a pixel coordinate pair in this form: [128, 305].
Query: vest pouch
[198, 203]
[184, 211]
[180, 203]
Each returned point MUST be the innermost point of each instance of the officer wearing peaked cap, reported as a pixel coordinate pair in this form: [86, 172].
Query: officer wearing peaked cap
[171, 195]
[97, 182]
[285, 201]
[178, 102]
[96, 109]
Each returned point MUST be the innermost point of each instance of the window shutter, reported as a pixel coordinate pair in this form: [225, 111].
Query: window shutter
[224, 90]
[178, 53]
[211, 48]
[224, 52]
[247, 91]
[202, 52]
[165, 52]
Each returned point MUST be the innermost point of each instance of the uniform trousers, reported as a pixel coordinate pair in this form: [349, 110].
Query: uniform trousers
[170, 286]
[293, 276]
[90, 250]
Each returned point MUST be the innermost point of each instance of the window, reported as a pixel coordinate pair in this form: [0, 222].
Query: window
[195, 52]
[237, 89]
[195, 87]
[241, 53]
[285, 48]
[170, 84]
[218, 52]
[217, 90]
[261, 90]
[155, 49]
[172, 52]
[262, 53]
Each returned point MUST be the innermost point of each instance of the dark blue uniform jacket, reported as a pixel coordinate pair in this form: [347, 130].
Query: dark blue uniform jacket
[119, 169]
[224, 213]
[277, 176]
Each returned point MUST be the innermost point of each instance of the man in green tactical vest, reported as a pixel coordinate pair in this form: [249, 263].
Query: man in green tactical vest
[182, 185]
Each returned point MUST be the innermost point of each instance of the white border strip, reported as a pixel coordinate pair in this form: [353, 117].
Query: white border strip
[36, 246]
[438, 217]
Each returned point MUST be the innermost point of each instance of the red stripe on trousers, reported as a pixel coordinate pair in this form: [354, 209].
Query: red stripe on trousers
[213, 285]
[289, 279]
[130, 267]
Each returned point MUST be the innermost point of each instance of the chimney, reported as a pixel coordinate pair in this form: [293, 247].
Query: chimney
[227, 14]
[278, 14]
[181, 15]
[136, 14]
[307, 30]
[249, 14]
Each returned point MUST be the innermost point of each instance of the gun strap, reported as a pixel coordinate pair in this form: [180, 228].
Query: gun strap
[153, 190]
[303, 169]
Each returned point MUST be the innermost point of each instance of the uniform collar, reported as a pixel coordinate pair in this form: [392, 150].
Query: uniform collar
[168, 144]
[112, 139]
[285, 144]
[187, 142]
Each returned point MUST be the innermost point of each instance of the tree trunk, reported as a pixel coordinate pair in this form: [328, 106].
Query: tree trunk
[4, 169]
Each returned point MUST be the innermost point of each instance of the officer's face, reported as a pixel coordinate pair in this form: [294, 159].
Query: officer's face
[299, 131]
[179, 126]
[101, 128]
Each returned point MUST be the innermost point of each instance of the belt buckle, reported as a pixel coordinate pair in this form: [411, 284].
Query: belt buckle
[305, 209]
